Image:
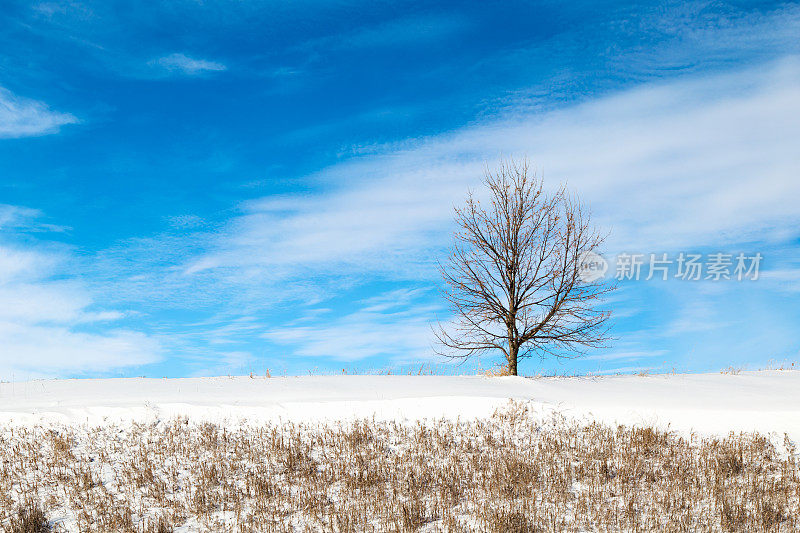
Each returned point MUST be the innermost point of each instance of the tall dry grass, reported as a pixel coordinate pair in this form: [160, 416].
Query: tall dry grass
[510, 473]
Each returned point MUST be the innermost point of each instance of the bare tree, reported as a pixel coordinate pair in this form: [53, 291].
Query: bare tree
[514, 278]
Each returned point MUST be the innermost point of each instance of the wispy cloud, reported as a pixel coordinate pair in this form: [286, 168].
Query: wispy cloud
[404, 31]
[49, 323]
[224, 363]
[786, 279]
[697, 316]
[702, 161]
[31, 351]
[708, 161]
[394, 325]
[183, 64]
[13, 216]
[185, 221]
[706, 157]
[25, 219]
[23, 117]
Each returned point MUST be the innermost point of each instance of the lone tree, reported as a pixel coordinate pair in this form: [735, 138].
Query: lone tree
[516, 278]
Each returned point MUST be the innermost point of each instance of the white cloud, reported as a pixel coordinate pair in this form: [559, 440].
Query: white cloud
[786, 279]
[185, 221]
[696, 162]
[699, 314]
[19, 265]
[49, 326]
[224, 363]
[12, 215]
[187, 65]
[23, 117]
[17, 218]
[395, 325]
[31, 350]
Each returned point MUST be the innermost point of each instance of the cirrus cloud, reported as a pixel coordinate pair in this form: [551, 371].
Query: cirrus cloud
[24, 117]
[181, 63]
[50, 324]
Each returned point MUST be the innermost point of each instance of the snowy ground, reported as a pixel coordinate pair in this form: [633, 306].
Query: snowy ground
[766, 401]
[290, 454]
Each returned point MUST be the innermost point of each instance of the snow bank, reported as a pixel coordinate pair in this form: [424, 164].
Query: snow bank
[767, 402]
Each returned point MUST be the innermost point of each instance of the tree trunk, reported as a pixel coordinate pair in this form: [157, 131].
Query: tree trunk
[512, 360]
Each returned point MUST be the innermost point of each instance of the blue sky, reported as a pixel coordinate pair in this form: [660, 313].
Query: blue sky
[202, 188]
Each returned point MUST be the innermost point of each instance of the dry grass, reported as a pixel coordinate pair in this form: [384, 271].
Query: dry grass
[509, 473]
[29, 519]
